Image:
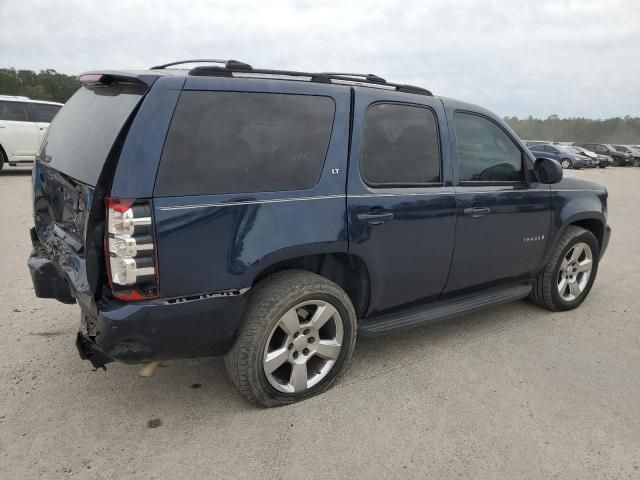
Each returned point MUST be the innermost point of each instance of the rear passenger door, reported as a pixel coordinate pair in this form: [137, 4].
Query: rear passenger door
[43, 113]
[400, 201]
[503, 216]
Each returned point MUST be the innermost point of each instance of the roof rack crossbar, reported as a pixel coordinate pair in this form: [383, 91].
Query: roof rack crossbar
[227, 63]
[320, 77]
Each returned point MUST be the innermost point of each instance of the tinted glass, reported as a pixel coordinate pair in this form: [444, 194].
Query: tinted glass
[14, 111]
[400, 146]
[601, 149]
[485, 151]
[83, 132]
[232, 142]
[43, 112]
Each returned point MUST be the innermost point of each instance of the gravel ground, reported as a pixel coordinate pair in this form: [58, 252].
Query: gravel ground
[511, 392]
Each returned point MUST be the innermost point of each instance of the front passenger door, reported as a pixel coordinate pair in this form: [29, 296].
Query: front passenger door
[502, 220]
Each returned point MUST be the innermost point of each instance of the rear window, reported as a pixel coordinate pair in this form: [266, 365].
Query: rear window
[84, 130]
[43, 112]
[235, 142]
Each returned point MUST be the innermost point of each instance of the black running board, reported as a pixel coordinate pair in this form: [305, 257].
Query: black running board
[441, 310]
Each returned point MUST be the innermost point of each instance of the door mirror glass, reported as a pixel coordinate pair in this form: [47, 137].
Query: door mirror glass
[547, 170]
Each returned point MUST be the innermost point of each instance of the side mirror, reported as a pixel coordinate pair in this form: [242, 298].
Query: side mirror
[547, 170]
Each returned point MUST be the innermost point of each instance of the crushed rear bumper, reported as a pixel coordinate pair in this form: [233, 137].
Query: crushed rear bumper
[136, 332]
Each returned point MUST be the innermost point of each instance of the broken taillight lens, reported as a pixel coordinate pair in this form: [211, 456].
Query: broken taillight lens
[130, 249]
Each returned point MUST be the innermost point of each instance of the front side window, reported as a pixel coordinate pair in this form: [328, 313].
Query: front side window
[14, 111]
[237, 142]
[43, 112]
[485, 152]
[601, 149]
[400, 146]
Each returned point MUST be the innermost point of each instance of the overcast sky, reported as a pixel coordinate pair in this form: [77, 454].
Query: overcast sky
[538, 57]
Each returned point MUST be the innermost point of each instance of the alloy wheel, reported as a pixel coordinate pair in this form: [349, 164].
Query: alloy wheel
[566, 164]
[575, 270]
[303, 346]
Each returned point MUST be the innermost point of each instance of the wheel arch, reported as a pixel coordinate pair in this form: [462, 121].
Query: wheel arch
[346, 270]
[594, 225]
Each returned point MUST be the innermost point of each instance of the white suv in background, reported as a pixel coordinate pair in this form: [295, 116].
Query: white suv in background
[23, 123]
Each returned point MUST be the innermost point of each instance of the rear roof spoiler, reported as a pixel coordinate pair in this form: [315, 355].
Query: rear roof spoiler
[108, 77]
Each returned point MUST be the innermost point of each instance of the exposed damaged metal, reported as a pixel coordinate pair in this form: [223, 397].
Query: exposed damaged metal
[223, 293]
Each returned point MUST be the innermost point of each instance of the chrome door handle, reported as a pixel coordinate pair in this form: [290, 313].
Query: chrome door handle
[477, 212]
[375, 218]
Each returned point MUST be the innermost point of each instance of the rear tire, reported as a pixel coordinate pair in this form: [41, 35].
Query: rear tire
[562, 285]
[298, 334]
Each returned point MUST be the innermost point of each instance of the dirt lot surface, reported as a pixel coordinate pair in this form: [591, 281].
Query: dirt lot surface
[511, 392]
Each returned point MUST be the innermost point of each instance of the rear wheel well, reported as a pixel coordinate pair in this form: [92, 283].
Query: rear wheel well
[594, 226]
[347, 271]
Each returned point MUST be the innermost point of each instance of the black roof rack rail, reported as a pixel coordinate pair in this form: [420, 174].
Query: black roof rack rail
[235, 64]
[369, 77]
[320, 77]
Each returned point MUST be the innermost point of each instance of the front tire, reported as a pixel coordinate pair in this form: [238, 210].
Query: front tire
[298, 334]
[567, 278]
[566, 163]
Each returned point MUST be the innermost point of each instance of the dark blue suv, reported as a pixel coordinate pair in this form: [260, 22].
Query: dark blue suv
[271, 216]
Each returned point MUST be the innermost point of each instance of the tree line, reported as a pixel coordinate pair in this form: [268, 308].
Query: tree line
[44, 85]
[582, 130]
[58, 87]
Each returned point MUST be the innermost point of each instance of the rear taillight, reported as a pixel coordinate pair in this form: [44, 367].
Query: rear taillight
[130, 249]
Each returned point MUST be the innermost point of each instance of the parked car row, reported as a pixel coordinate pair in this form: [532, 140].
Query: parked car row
[586, 155]
[23, 124]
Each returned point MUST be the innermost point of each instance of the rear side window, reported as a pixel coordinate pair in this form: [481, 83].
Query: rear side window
[82, 134]
[234, 142]
[44, 113]
[14, 111]
[485, 152]
[400, 146]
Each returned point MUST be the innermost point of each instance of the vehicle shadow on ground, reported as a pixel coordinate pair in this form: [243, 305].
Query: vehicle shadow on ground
[15, 172]
[200, 385]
